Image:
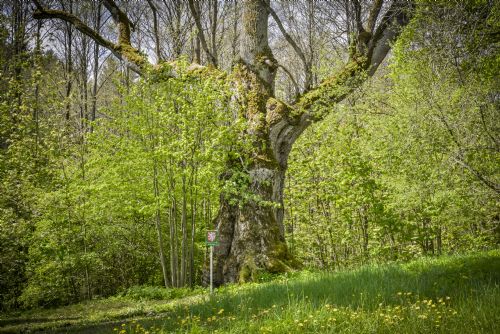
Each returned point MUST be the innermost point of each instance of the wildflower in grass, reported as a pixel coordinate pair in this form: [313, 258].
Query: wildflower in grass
[220, 311]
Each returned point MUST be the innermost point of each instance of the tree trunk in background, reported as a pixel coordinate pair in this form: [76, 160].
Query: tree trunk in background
[159, 233]
[69, 66]
[95, 71]
[184, 245]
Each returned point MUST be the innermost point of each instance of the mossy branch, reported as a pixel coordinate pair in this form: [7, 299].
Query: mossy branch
[123, 50]
[367, 53]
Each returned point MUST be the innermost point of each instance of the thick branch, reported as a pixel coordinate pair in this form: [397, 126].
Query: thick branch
[155, 30]
[196, 16]
[372, 17]
[315, 104]
[389, 29]
[335, 88]
[123, 50]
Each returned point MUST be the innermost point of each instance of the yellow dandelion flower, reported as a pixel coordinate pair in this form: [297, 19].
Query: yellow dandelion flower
[220, 311]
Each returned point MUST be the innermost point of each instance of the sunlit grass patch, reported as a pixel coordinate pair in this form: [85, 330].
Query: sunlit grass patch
[439, 295]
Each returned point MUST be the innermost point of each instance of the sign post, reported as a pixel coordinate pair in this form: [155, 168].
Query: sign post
[212, 240]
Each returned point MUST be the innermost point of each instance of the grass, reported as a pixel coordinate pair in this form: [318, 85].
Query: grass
[457, 294]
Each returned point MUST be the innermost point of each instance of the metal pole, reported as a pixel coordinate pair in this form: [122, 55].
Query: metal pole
[211, 268]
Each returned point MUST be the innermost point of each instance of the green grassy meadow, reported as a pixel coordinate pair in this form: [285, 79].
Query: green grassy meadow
[456, 294]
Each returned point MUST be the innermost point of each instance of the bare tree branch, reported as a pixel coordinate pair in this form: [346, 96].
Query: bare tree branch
[373, 16]
[357, 16]
[295, 85]
[293, 44]
[201, 35]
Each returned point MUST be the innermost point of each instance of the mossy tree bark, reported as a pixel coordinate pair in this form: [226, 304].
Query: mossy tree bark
[251, 230]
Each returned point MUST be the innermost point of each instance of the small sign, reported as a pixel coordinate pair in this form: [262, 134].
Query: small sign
[212, 238]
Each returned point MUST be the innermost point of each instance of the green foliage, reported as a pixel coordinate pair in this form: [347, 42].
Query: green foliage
[409, 165]
[162, 144]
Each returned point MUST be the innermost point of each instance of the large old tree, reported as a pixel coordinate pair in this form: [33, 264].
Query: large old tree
[251, 229]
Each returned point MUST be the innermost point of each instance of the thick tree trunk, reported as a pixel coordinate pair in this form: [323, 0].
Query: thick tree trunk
[252, 234]
[251, 225]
